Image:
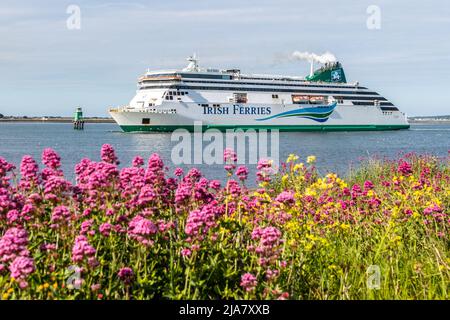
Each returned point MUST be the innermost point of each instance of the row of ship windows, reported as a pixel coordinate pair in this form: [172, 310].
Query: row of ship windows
[340, 99]
[262, 84]
[177, 93]
[171, 94]
[259, 89]
[319, 102]
[363, 103]
[243, 99]
[281, 84]
[240, 97]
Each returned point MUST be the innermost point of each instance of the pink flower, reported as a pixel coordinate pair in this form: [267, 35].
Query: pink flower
[108, 154]
[105, 229]
[51, 159]
[146, 195]
[86, 227]
[404, 167]
[431, 209]
[48, 247]
[183, 192]
[13, 244]
[233, 187]
[214, 184]
[230, 159]
[248, 282]
[5, 167]
[95, 287]
[356, 191]
[60, 214]
[186, 252]
[126, 274]
[368, 185]
[201, 220]
[286, 197]
[132, 179]
[13, 216]
[21, 267]
[193, 175]
[83, 250]
[229, 155]
[201, 191]
[142, 230]
[242, 173]
[29, 172]
[269, 236]
[265, 170]
[178, 172]
[138, 162]
[155, 162]
[56, 184]
[269, 246]
[155, 171]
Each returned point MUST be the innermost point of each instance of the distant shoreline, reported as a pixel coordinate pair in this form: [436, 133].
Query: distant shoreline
[56, 120]
[429, 121]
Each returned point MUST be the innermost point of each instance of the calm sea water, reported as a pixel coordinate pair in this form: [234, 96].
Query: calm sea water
[335, 151]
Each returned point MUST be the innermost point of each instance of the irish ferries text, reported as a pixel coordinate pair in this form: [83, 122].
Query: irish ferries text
[236, 109]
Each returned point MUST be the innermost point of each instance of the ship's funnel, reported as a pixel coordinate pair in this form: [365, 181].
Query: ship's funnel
[329, 72]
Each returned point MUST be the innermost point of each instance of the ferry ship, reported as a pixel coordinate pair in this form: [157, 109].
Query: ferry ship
[228, 99]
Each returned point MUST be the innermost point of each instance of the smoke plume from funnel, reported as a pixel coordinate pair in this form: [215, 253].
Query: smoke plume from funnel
[326, 57]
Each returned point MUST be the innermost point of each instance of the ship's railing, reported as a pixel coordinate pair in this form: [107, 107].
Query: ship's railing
[146, 110]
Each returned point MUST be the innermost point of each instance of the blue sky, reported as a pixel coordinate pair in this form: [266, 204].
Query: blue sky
[46, 69]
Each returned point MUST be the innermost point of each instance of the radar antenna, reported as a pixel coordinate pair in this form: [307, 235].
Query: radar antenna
[193, 63]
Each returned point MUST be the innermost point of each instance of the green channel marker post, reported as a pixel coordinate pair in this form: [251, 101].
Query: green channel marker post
[78, 122]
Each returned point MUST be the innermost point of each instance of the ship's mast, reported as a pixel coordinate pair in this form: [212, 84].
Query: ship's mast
[311, 70]
[193, 64]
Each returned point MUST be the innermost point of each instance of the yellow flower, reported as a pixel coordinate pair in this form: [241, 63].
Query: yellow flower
[5, 296]
[46, 285]
[310, 192]
[292, 158]
[311, 159]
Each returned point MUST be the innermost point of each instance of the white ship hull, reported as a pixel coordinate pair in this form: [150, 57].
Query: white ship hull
[343, 117]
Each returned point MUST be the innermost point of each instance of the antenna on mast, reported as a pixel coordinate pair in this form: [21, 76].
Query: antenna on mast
[193, 63]
[311, 70]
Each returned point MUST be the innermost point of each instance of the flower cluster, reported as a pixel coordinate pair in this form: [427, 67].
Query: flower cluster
[82, 251]
[142, 230]
[15, 254]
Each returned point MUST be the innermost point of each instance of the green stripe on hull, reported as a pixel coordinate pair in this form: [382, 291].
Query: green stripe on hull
[284, 128]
